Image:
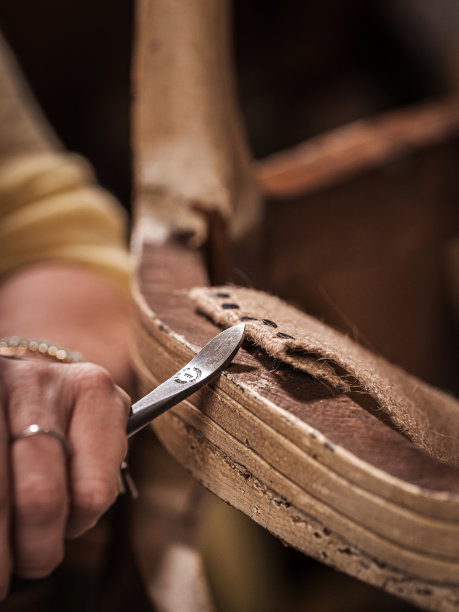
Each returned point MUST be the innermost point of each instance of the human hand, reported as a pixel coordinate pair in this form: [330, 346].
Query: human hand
[45, 497]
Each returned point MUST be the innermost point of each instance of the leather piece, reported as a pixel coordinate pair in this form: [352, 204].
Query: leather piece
[428, 416]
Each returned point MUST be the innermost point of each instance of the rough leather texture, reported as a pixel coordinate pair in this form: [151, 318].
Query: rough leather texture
[429, 417]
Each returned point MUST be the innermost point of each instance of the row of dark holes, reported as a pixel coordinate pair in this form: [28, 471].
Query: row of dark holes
[231, 306]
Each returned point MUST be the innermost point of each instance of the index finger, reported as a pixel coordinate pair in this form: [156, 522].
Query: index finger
[97, 436]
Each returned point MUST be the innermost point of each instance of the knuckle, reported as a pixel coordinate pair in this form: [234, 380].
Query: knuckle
[39, 500]
[94, 377]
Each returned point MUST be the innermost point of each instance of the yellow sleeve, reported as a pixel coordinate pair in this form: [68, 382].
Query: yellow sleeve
[52, 209]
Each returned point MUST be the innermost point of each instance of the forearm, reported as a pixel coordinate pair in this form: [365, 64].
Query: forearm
[66, 296]
[72, 306]
[48, 288]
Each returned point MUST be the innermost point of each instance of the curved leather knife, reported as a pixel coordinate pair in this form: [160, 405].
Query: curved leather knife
[205, 366]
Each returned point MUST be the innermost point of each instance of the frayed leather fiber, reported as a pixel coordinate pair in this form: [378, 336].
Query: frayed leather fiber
[427, 416]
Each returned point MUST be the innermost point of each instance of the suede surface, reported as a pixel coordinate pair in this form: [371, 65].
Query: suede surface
[427, 416]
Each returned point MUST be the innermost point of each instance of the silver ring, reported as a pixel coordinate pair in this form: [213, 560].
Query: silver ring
[33, 430]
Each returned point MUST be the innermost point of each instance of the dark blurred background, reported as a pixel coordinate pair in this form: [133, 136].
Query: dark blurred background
[303, 67]
[76, 55]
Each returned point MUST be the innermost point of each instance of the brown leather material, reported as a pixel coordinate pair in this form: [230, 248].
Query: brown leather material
[427, 416]
[304, 461]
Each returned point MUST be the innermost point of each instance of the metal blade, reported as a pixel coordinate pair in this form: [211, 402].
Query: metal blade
[209, 362]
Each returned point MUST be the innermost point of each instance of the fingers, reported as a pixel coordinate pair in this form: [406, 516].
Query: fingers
[97, 435]
[5, 553]
[51, 496]
[38, 469]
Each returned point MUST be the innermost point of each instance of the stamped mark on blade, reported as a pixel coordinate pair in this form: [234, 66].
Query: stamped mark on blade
[188, 375]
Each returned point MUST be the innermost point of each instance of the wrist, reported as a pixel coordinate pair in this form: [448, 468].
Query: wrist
[15, 346]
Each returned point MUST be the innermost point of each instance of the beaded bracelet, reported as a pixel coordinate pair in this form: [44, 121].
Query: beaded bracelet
[14, 346]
